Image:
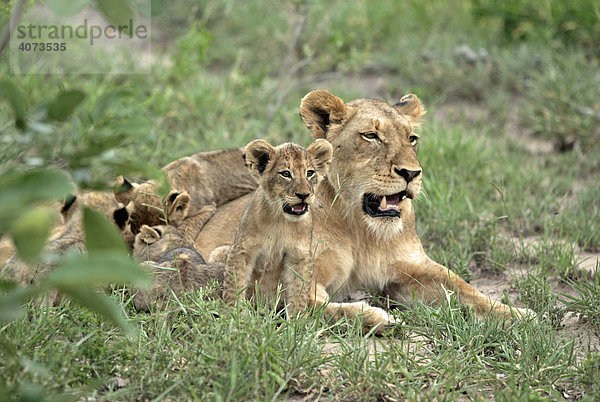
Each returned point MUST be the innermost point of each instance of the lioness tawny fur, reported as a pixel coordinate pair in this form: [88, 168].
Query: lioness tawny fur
[367, 229]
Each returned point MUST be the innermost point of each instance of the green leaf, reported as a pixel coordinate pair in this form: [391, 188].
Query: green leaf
[100, 234]
[157, 7]
[64, 104]
[21, 190]
[6, 285]
[106, 101]
[11, 304]
[117, 11]
[34, 186]
[98, 303]
[100, 268]
[144, 8]
[67, 7]
[30, 232]
[17, 101]
[102, 144]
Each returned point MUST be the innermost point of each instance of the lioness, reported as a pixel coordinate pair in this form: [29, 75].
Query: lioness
[177, 267]
[274, 239]
[366, 225]
[205, 180]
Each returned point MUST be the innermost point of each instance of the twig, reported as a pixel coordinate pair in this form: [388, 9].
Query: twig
[14, 20]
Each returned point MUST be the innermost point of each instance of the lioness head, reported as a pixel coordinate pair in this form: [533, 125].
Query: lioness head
[288, 174]
[375, 164]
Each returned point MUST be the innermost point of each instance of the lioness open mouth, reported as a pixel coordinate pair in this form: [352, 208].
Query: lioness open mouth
[298, 209]
[383, 205]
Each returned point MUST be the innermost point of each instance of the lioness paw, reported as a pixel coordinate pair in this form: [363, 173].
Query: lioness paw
[374, 317]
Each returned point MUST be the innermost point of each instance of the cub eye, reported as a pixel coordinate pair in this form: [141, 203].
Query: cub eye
[310, 173]
[285, 174]
[370, 136]
[159, 232]
[413, 140]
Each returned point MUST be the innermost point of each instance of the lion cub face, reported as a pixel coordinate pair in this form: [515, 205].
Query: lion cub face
[288, 174]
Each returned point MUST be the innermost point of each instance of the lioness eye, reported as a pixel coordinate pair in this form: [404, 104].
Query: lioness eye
[286, 174]
[371, 137]
[413, 140]
[310, 173]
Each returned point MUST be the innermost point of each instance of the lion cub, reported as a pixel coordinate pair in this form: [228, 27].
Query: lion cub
[199, 184]
[176, 265]
[72, 237]
[274, 240]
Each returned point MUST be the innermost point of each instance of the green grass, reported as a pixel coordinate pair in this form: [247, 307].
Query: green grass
[212, 351]
[508, 151]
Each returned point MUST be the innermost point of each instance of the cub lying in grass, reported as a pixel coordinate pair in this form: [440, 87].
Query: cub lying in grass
[274, 240]
[72, 236]
[176, 264]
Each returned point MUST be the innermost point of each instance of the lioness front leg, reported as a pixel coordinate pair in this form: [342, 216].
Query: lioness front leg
[431, 282]
[238, 272]
[370, 317]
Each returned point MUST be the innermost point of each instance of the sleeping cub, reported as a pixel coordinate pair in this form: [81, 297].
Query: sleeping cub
[274, 240]
[176, 265]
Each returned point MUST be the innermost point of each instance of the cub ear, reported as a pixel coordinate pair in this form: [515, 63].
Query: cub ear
[411, 107]
[320, 109]
[148, 235]
[258, 154]
[121, 216]
[178, 205]
[67, 206]
[321, 152]
[123, 190]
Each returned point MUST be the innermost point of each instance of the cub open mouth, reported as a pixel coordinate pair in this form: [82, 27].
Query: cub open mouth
[383, 205]
[297, 209]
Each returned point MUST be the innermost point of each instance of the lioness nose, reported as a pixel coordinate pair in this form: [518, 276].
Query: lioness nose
[408, 175]
[302, 196]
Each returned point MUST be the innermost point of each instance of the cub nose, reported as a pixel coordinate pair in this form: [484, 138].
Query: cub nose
[302, 196]
[408, 175]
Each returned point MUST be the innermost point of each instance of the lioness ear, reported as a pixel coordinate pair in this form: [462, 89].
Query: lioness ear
[258, 154]
[123, 190]
[148, 235]
[410, 106]
[177, 207]
[319, 109]
[321, 152]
